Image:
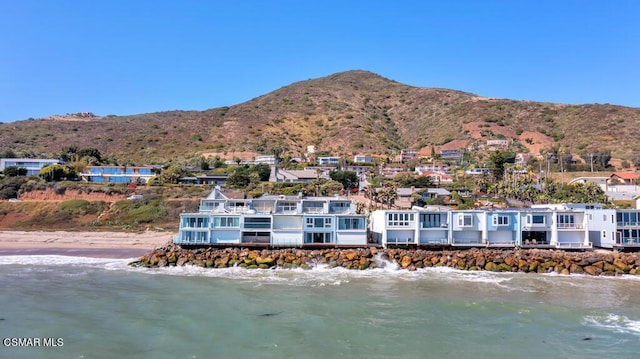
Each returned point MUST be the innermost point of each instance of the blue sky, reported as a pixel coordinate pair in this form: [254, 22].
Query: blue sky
[129, 57]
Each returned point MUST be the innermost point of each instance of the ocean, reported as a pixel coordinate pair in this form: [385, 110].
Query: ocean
[54, 306]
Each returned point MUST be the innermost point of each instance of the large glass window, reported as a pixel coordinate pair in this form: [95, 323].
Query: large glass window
[536, 219]
[318, 237]
[257, 222]
[566, 221]
[400, 219]
[430, 220]
[313, 207]
[351, 223]
[226, 222]
[285, 207]
[318, 222]
[195, 222]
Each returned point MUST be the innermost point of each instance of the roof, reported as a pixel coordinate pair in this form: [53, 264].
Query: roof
[625, 175]
[455, 145]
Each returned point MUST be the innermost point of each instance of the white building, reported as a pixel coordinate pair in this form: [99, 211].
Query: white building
[32, 165]
[289, 221]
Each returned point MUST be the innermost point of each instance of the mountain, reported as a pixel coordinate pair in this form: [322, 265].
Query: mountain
[342, 114]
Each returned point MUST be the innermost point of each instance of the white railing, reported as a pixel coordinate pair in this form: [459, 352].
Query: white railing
[570, 226]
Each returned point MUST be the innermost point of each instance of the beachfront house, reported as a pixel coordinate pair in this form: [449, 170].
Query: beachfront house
[394, 227]
[273, 221]
[433, 225]
[468, 227]
[627, 230]
[502, 228]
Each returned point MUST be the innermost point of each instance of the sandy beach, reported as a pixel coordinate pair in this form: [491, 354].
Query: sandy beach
[86, 244]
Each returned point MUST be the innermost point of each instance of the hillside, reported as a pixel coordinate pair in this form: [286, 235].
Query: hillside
[343, 114]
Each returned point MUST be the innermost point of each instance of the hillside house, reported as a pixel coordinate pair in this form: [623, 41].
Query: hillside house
[438, 177]
[210, 179]
[623, 178]
[390, 171]
[453, 150]
[32, 165]
[281, 175]
[359, 158]
[328, 160]
[119, 174]
[493, 145]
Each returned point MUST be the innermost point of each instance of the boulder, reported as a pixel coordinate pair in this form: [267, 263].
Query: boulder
[620, 264]
[592, 270]
[351, 255]
[268, 261]
[492, 267]
[406, 261]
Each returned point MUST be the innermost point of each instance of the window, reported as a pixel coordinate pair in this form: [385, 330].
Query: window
[317, 237]
[399, 219]
[339, 207]
[257, 222]
[430, 220]
[313, 207]
[195, 222]
[535, 219]
[226, 222]
[351, 223]
[566, 221]
[499, 220]
[318, 222]
[465, 220]
[284, 207]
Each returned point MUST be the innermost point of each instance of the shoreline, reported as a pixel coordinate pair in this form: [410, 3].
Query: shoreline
[81, 244]
[475, 259]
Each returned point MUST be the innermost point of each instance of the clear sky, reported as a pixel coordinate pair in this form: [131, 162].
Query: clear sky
[126, 57]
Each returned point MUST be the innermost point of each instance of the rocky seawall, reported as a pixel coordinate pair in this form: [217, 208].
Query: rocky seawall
[595, 263]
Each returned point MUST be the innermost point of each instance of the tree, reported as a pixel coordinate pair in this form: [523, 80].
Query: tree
[204, 165]
[348, 179]
[263, 170]
[57, 172]
[387, 194]
[498, 160]
[173, 174]
[240, 177]
[7, 154]
[10, 187]
[14, 171]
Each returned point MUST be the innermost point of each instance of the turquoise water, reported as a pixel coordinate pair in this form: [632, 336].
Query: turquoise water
[101, 308]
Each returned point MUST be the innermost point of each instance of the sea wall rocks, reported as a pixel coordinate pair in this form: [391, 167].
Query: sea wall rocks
[596, 263]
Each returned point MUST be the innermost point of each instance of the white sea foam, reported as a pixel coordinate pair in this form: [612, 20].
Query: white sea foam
[54, 260]
[615, 323]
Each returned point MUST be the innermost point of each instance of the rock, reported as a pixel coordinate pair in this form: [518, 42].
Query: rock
[492, 267]
[523, 266]
[620, 264]
[249, 262]
[181, 261]
[268, 261]
[504, 267]
[574, 268]
[364, 263]
[591, 270]
[351, 255]
[406, 261]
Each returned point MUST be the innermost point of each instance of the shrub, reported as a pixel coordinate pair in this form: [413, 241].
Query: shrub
[74, 205]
